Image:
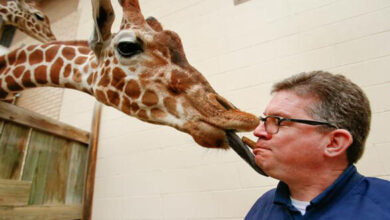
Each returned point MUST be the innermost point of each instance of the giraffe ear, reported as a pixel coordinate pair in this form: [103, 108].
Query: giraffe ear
[153, 23]
[103, 16]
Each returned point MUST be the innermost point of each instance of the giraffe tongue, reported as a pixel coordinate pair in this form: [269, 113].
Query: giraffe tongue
[242, 150]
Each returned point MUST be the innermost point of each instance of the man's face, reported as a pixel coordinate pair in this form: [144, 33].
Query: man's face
[295, 147]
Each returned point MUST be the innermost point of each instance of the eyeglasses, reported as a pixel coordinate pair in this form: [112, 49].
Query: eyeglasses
[272, 123]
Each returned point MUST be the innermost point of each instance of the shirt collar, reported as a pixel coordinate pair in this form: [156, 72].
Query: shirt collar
[342, 185]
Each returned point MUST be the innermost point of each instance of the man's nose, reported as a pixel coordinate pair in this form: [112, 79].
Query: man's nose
[260, 132]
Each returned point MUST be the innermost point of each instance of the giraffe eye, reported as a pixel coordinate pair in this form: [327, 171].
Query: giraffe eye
[128, 49]
[39, 17]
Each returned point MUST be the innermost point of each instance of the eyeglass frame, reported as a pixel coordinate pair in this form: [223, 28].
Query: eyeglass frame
[303, 121]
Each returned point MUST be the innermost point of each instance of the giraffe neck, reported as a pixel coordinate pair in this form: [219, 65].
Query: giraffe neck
[58, 64]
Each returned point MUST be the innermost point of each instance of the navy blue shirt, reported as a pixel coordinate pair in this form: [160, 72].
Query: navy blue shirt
[351, 196]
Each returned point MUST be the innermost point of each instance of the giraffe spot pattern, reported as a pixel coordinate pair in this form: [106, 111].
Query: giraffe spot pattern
[142, 114]
[21, 58]
[35, 57]
[84, 50]
[126, 106]
[113, 97]
[26, 80]
[118, 78]
[12, 84]
[77, 77]
[18, 71]
[170, 105]
[157, 113]
[11, 57]
[67, 70]
[101, 96]
[55, 71]
[69, 53]
[80, 60]
[40, 74]
[132, 89]
[149, 98]
[51, 53]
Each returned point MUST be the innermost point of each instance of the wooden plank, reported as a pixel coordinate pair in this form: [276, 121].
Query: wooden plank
[41, 212]
[31, 119]
[91, 167]
[76, 177]
[14, 192]
[57, 173]
[37, 165]
[12, 146]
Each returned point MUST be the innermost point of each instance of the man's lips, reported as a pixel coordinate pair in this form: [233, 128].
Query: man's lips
[258, 150]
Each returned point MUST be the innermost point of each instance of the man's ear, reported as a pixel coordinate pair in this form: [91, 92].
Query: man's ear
[340, 140]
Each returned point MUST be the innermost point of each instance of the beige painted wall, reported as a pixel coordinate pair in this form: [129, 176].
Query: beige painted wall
[153, 172]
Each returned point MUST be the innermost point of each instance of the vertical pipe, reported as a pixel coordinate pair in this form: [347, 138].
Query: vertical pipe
[91, 166]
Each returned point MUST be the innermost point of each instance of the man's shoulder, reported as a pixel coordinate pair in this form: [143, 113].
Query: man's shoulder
[266, 198]
[376, 185]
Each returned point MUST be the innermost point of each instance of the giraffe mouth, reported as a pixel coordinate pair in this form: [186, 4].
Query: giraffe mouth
[242, 150]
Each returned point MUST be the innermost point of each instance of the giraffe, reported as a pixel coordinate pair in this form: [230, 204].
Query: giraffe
[27, 18]
[141, 70]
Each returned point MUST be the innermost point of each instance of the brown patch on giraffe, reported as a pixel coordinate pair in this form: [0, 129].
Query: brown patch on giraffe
[67, 70]
[86, 68]
[143, 115]
[107, 63]
[105, 80]
[31, 47]
[21, 58]
[118, 77]
[132, 89]
[170, 105]
[26, 80]
[40, 74]
[69, 53]
[3, 93]
[179, 82]
[149, 98]
[115, 60]
[80, 60]
[55, 71]
[101, 96]
[77, 77]
[18, 71]
[51, 53]
[70, 86]
[12, 85]
[35, 57]
[90, 78]
[134, 107]
[126, 106]
[158, 113]
[93, 65]
[3, 11]
[113, 97]
[37, 27]
[12, 57]
[132, 69]
[84, 50]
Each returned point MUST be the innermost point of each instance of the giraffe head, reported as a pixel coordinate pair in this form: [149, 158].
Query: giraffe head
[143, 71]
[26, 17]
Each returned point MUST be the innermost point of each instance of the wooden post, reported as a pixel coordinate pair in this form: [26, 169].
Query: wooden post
[91, 167]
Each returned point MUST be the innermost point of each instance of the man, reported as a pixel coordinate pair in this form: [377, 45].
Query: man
[312, 132]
